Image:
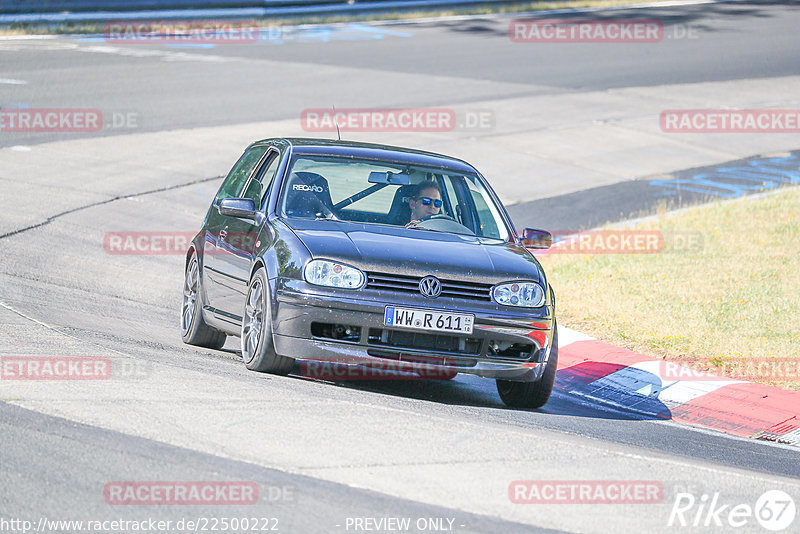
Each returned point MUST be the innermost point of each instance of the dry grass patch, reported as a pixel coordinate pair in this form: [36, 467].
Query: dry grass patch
[736, 296]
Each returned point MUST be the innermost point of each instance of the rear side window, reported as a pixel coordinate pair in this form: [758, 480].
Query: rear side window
[240, 172]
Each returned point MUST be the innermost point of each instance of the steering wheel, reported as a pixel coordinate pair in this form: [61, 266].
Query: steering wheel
[436, 216]
[441, 222]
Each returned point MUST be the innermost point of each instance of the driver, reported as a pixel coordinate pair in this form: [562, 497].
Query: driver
[425, 201]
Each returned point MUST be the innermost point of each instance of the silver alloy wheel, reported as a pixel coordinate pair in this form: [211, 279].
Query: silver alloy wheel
[189, 305]
[253, 320]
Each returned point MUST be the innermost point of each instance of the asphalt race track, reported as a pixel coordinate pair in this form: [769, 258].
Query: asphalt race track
[568, 123]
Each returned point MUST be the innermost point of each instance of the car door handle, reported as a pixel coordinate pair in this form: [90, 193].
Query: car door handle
[223, 234]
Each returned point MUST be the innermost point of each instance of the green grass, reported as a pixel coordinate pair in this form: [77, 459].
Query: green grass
[736, 296]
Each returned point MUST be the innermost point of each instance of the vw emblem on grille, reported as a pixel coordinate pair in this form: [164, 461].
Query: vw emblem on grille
[430, 286]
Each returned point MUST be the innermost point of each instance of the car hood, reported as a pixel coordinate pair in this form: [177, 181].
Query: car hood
[377, 248]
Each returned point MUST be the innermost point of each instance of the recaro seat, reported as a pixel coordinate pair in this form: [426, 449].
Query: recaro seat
[400, 212]
[307, 195]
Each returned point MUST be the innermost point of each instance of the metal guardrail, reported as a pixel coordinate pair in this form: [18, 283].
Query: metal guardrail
[37, 11]
[78, 6]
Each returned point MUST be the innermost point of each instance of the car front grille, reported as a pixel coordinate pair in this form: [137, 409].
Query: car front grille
[410, 284]
[434, 342]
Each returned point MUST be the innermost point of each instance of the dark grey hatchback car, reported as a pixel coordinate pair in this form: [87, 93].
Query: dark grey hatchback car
[315, 250]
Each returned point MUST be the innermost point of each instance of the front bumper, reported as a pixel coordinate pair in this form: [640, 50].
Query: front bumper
[298, 305]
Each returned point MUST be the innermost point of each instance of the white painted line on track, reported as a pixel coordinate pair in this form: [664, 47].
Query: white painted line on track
[790, 438]
[57, 330]
[12, 81]
[162, 54]
[567, 336]
[615, 408]
[676, 391]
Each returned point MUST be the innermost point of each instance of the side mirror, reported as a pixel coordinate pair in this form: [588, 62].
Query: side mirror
[533, 238]
[242, 208]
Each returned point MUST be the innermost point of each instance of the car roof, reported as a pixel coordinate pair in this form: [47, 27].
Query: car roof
[355, 149]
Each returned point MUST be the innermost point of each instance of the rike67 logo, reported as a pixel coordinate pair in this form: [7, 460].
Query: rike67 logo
[774, 511]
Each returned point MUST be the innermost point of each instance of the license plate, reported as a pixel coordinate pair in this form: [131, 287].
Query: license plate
[459, 323]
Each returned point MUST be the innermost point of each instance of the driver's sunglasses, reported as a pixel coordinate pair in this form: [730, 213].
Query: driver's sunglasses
[426, 201]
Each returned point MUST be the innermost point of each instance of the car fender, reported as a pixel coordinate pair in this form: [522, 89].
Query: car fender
[285, 255]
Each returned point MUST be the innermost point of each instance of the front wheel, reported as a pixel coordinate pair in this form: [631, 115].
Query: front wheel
[258, 350]
[194, 329]
[532, 394]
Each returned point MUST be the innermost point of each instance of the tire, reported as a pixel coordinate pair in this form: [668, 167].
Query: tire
[194, 329]
[532, 394]
[258, 349]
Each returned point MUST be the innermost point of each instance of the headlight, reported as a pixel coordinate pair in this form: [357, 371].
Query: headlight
[527, 294]
[332, 274]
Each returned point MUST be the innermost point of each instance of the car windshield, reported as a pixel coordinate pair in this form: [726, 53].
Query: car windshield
[375, 192]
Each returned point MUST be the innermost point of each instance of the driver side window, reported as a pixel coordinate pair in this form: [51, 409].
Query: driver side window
[486, 221]
[259, 184]
[236, 179]
[450, 198]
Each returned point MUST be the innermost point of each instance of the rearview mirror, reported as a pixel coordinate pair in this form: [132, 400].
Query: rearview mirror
[242, 208]
[533, 238]
[389, 178]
